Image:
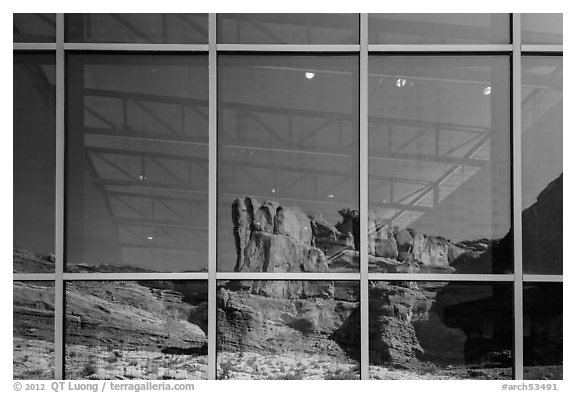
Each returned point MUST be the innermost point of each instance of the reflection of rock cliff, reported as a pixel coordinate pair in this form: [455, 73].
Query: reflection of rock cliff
[542, 231]
[270, 237]
[24, 261]
[114, 329]
[129, 329]
[33, 329]
[541, 240]
[284, 329]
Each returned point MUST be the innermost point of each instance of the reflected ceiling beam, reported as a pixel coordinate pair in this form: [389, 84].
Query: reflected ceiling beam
[402, 206]
[138, 194]
[261, 198]
[381, 156]
[244, 107]
[148, 185]
[336, 21]
[326, 172]
[120, 19]
[387, 24]
[432, 159]
[144, 154]
[146, 135]
[49, 21]
[190, 22]
[137, 222]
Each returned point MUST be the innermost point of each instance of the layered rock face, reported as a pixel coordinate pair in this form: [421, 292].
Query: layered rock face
[273, 238]
[270, 237]
[394, 250]
[542, 244]
[255, 321]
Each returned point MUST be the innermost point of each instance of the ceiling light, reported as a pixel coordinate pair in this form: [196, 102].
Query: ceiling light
[150, 237]
[309, 75]
[400, 82]
[273, 191]
[331, 196]
[487, 90]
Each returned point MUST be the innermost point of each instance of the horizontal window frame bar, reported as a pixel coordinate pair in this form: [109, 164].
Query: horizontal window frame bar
[353, 48]
[288, 276]
[542, 48]
[542, 278]
[34, 277]
[27, 46]
[440, 48]
[73, 46]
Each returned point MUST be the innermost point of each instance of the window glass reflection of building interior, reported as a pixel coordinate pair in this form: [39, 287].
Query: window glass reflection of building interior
[137, 155]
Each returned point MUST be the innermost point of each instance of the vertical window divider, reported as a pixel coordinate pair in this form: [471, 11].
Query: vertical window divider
[364, 317]
[212, 193]
[517, 193]
[59, 208]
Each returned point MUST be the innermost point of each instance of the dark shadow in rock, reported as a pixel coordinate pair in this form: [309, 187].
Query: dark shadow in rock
[200, 350]
[484, 312]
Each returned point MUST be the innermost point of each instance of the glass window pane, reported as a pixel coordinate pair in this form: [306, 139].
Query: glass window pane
[137, 163]
[542, 164]
[439, 28]
[288, 330]
[288, 28]
[34, 27]
[136, 329]
[439, 164]
[33, 329]
[34, 162]
[542, 29]
[543, 332]
[138, 28]
[288, 145]
[441, 330]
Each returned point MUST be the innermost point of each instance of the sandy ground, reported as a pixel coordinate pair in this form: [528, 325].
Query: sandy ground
[434, 372]
[297, 365]
[84, 363]
[33, 359]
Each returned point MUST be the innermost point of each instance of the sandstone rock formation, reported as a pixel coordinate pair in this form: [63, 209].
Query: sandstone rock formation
[542, 231]
[270, 237]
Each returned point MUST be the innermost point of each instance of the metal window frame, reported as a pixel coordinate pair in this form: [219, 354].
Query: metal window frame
[516, 50]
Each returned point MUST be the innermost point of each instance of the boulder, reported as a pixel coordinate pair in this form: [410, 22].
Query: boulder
[274, 238]
[293, 223]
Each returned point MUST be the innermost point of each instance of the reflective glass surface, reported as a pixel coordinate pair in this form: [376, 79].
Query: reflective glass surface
[542, 183]
[477, 28]
[34, 162]
[288, 164]
[34, 27]
[440, 330]
[543, 330]
[33, 329]
[439, 164]
[288, 330]
[138, 28]
[136, 329]
[137, 163]
[288, 28]
[542, 28]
